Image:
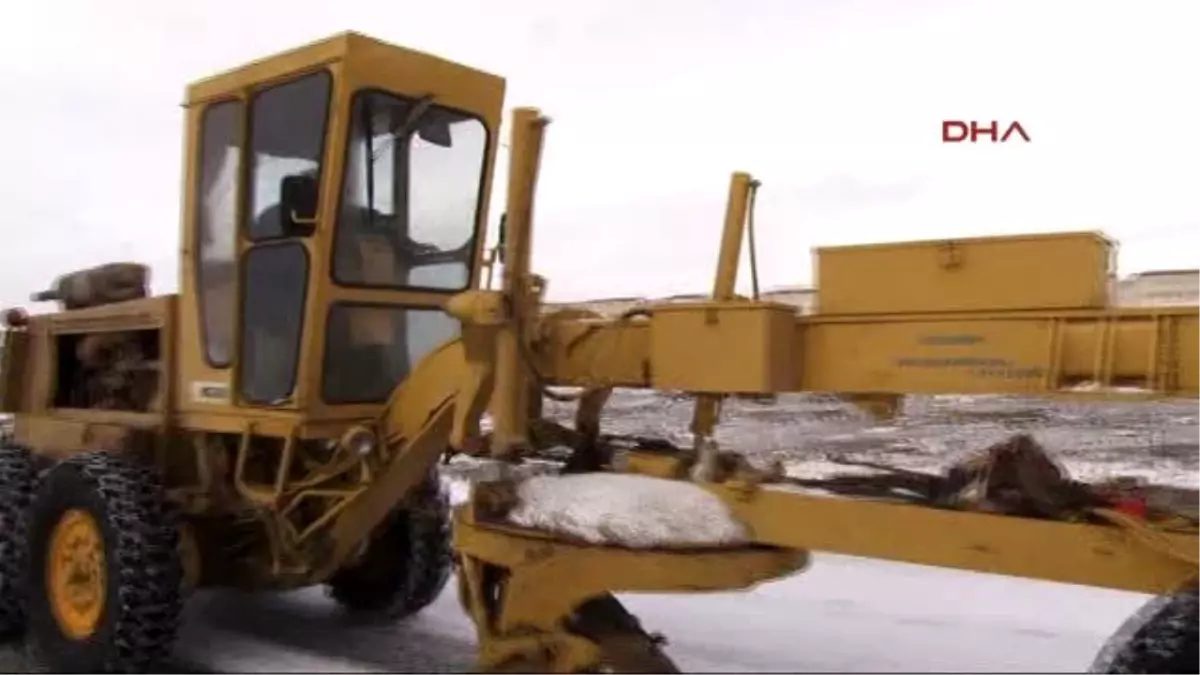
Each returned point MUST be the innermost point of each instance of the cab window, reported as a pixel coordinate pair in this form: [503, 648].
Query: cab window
[216, 227]
[370, 349]
[287, 134]
[410, 195]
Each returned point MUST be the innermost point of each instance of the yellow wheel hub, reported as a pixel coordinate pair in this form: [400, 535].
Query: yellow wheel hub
[75, 574]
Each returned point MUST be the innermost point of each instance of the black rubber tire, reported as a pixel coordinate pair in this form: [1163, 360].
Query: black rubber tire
[18, 477]
[1161, 637]
[140, 620]
[407, 562]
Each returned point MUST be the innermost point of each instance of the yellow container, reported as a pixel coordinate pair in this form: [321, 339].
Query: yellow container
[734, 347]
[1068, 270]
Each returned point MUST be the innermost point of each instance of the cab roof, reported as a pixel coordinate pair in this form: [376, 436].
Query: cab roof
[340, 47]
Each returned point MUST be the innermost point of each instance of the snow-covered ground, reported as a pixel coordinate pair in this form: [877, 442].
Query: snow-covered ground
[1153, 440]
[841, 615]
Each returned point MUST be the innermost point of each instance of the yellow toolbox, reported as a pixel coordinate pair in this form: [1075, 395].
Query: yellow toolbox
[743, 346]
[1039, 271]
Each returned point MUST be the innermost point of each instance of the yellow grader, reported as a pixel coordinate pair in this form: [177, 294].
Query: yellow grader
[278, 423]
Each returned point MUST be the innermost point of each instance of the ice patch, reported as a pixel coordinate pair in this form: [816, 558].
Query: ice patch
[240, 653]
[880, 430]
[1091, 472]
[814, 469]
[1096, 387]
[627, 510]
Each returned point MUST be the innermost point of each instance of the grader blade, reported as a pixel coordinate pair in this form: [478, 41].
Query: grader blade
[618, 644]
[625, 647]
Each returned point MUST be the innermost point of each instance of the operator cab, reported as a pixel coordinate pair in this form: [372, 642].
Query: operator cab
[339, 199]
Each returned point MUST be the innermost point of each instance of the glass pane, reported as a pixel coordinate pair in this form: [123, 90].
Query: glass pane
[216, 227]
[369, 349]
[410, 195]
[276, 278]
[287, 131]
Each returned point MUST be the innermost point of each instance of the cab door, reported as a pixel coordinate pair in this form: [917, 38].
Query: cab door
[287, 127]
[404, 241]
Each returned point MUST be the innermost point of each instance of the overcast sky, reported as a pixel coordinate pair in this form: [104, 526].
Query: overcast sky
[835, 106]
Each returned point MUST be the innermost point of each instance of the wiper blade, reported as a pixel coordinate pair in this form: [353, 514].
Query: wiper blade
[407, 125]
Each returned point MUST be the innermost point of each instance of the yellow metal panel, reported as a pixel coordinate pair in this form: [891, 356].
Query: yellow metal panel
[1002, 353]
[142, 314]
[948, 356]
[1105, 556]
[985, 353]
[1058, 271]
[722, 347]
[265, 70]
[373, 63]
[1185, 354]
[42, 363]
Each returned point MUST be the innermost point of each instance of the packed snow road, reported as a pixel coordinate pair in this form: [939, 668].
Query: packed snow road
[842, 615]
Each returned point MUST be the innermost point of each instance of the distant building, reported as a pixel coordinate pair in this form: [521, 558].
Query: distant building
[1159, 288]
[804, 298]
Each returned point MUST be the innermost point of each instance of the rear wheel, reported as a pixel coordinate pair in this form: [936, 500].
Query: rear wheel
[1161, 637]
[17, 480]
[406, 564]
[104, 570]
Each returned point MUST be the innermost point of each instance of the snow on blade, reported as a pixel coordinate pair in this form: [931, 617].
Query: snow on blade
[626, 510]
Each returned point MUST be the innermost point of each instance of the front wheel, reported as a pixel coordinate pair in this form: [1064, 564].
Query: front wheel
[406, 564]
[17, 480]
[1161, 637]
[104, 571]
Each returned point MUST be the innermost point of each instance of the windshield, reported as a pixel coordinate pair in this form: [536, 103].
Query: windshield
[410, 196]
